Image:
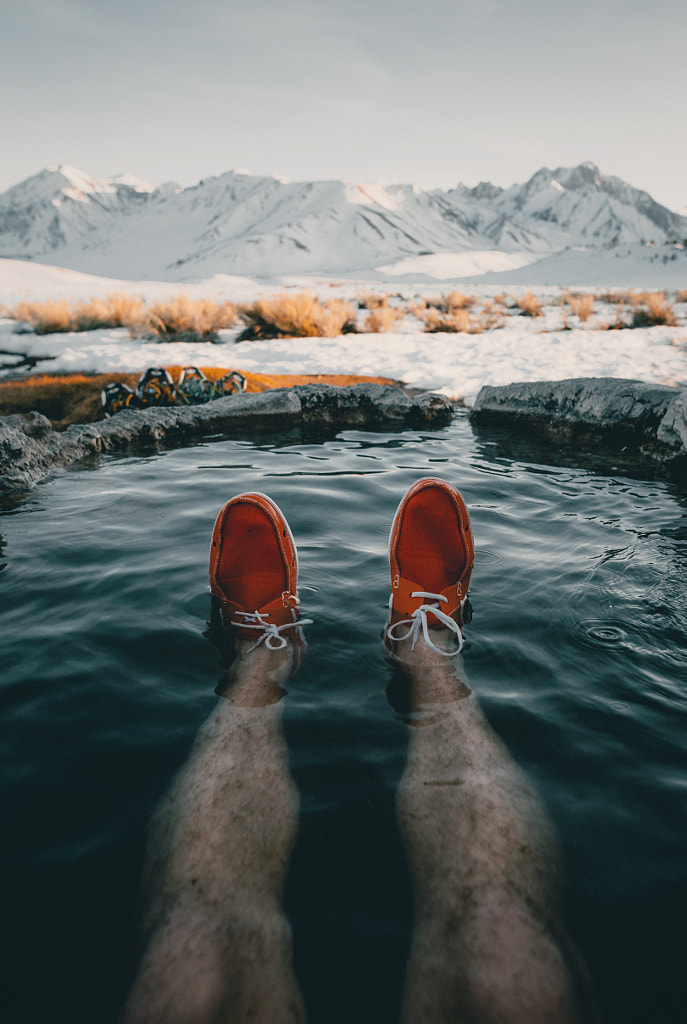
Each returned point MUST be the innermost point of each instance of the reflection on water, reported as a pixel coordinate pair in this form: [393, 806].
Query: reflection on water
[577, 651]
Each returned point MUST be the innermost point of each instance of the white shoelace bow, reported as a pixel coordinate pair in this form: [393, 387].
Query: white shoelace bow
[271, 633]
[418, 623]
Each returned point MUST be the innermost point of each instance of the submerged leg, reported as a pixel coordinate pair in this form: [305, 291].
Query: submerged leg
[216, 944]
[488, 942]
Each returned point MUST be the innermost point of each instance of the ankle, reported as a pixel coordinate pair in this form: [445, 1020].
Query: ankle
[257, 675]
[434, 676]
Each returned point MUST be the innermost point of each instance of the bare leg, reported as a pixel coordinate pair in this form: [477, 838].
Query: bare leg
[217, 947]
[488, 944]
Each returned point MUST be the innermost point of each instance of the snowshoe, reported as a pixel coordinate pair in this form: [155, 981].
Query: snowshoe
[156, 387]
[231, 383]
[115, 397]
[194, 388]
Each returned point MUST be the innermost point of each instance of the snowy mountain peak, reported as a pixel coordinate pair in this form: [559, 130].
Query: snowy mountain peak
[251, 225]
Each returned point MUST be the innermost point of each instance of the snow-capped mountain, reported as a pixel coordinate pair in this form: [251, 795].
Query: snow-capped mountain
[239, 223]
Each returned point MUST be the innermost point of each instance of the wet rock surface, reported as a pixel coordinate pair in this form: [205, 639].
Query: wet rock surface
[650, 418]
[30, 449]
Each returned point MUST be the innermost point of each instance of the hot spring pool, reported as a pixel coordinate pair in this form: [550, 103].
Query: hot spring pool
[577, 652]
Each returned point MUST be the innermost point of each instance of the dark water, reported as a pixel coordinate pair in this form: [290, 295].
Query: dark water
[578, 653]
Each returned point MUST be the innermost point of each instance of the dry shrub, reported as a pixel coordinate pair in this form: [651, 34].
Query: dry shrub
[337, 317]
[529, 305]
[488, 316]
[681, 295]
[175, 319]
[382, 319]
[186, 319]
[296, 316]
[491, 315]
[417, 307]
[117, 310]
[45, 317]
[457, 322]
[651, 309]
[372, 300]
[451, 302]
[582, 306]
[616, 298]
[642, 309]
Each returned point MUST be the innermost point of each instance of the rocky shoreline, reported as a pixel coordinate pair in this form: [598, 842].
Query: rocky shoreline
[629, 415]
[30, 449]
[649, 420]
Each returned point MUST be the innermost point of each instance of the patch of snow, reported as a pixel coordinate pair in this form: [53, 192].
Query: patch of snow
[445, 265]
[557, 184]
[373, 194]
[133, 182]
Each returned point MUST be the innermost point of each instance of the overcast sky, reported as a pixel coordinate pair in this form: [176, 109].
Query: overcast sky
[433, 92]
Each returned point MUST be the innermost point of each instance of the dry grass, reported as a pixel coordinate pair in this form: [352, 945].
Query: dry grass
[651, 309]
[69, 398]
[529, 305]
[451, 303]
[457, 322]
[460, 319]
[372, 300]
[641, 309]
[296, 316]
[616, 298]
[45, 317]
[117, 310]
[382, 319]
[681, 295]
[491, 314]
[174, 320]
[186, 319]
[581, 306]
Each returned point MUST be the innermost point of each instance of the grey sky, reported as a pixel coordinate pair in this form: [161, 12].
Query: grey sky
[432, 92]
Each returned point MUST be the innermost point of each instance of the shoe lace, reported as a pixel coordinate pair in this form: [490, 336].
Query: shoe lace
[271, 633]
[417, 623]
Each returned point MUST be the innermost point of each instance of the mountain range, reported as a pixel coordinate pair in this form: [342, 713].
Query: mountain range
[253, 226]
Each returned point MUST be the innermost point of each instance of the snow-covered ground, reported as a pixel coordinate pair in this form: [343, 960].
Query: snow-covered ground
[456, 364]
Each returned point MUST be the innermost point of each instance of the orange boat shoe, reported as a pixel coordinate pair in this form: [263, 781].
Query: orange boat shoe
[254, 573]
[431, 555]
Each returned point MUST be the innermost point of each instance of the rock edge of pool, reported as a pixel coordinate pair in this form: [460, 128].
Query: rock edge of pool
[647, 418]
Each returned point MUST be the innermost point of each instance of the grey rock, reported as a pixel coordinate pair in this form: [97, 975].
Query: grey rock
[30, 449]
[650, 417]
[369, 407]
[672, 430]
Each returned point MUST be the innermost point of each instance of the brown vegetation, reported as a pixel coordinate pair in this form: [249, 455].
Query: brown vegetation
[186, 319]
[581, 306]
[45, 317]
[651, 309]
[451, 302]
[372, 300]
[382, 319]
[529, 304]
[178, 319]
[296, 316]
[681, 295]
[641, 309]
[458, 317]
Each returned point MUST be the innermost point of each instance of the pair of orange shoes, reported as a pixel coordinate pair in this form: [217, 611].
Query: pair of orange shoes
[254, 569]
